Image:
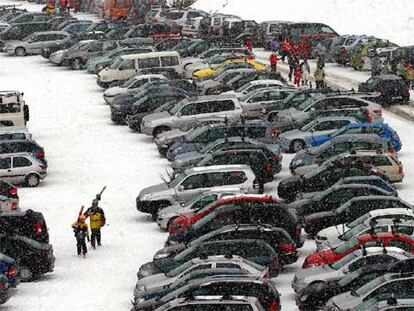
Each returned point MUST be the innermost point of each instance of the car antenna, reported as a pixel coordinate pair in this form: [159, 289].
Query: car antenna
[384, 250]
[364, 250]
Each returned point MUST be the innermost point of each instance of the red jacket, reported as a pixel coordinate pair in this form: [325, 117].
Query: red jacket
[249, 45]
[273, 59]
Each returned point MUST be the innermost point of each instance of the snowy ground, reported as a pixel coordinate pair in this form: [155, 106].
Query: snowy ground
[86, 151]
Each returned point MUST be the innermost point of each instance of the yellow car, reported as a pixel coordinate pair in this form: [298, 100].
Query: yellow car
[230, 64]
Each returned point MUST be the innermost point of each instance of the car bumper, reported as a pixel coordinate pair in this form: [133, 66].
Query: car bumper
[118, 117]
[148, 207]
[9, 51]
[145, 129]
[102, 84]
[163, 223]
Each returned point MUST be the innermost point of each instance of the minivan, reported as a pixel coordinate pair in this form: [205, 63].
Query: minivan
[124, 67]
[13, 110]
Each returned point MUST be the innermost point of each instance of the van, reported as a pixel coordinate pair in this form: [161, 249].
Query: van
[13, 110]
[20, 31]
[124, 67]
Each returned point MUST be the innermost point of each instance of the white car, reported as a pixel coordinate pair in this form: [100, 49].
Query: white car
[254, 85]
[130, 85]
[330, 235]
[167, 215]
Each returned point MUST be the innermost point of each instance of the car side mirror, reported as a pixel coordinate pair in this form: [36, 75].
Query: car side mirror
[181, 188]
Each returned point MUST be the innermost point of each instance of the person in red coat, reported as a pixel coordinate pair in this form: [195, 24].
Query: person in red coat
[273, 61]
[249, 45]
[298, 75]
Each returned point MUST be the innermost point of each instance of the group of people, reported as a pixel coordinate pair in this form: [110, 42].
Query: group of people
[300, 71]
[97, 220]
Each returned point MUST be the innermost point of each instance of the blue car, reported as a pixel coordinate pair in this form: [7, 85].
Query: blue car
[9, 269]
[381, 129]
[376, 181]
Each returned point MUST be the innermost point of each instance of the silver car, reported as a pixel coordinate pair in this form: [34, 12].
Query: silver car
[295, 140]
[22, 168]
[58, 57]
[164, 279]
[168, 214]
[349, 263]
[35, 43]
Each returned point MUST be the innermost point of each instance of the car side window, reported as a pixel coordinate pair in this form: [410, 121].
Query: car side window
[199, 267]
[194, 182]
[256, 131]
[401, 244]
[397, 286]
[190, 109]
[5, 163]
[380, 161]
[225, 105]
[258, 97]
[127, 64]
[234, 178]
[21, 162]
[227, 266]
[148, 62]
[408, 230]
[169, 61]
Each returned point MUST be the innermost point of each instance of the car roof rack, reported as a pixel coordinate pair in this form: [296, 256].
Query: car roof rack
[10, 97]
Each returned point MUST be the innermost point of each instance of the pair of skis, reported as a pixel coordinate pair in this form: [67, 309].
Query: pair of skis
[97, 197]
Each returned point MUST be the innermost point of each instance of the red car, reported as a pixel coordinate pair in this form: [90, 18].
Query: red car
[186, 220]
[332, 255]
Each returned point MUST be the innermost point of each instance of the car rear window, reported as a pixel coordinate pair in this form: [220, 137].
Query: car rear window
[174, 15]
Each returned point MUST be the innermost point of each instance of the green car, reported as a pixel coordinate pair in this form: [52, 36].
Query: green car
[96, 64]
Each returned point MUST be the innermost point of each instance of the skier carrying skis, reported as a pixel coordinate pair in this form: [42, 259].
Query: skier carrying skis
[96, 221]
[80, 228]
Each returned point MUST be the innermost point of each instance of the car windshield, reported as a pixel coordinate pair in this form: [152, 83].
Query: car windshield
[173, 183]
[173, 111]
[363, 290]
[205, 220]
[174, 15]
[353, 232]
[179, 269]
[193, 134]
[359, 220]
[129, 82]
[29, 37]
[348, 278]
[307, 127]
[244, 88]
[343, 261]
[307, 103]
[117, 62]
[347, 246]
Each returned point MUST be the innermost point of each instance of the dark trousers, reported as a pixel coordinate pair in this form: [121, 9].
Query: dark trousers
[96, 235]
[320, 84]
[274, 67]
[291, 68]
[81, 246]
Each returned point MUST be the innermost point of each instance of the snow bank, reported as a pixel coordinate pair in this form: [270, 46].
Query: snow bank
[389, 19]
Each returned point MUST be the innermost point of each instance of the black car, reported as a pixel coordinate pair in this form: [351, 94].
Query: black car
[334, 197]
[256, 251]
[28, 223]
[263, 289]
[5, 292]
[34, 258]
[30, 146]
[392, 88]
[350, 211]
[321, 178]
[277, 238]
[315, 295]
[376, 181]
[275, 214]
[146, 104]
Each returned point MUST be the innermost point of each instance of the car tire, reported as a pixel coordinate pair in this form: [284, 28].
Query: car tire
[297, 145]
[77, 64]
[159, 130]
[32, 180]
[26, 274]
[20, 52]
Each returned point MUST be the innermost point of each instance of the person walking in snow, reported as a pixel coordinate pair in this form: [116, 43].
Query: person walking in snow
[298, 75]
[305, 68]
[375, 66]
[81, 231]
[401, 70]
[96, 221]
[249, 45]
[273, 61]
[319, 75]
[385, 70]
[292, 61]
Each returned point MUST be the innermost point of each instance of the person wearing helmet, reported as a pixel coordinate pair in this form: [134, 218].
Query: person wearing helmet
[96, 221]
[81, 231]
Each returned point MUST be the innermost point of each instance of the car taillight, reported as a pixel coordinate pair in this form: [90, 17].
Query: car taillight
[13, 191]
[275, 262]
[274, 305]
[378, 111]
[14, 206]
[39, 227]
[273, 132]
[43, 167]
[11, 273]
[267, 275]
[40, 154]
[49, 255]
[269, 168]
[276, 158]
[288, 247]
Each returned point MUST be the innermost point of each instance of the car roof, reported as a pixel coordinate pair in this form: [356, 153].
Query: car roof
[211, 97]
[262, 198]
[358, 137]
[218, 168]
[335, 118]
[385, 211]
[157, 54]
[381, 235]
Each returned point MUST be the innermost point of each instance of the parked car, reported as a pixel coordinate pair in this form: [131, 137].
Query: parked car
[34, 258]
[326, 238]
[256, 251]
[192, 182]
[277, 238]
[322, 178]
[308, 159]
[380, 129]
[213, 51]
[19, 146]
[295, 140]
[10, 270]
[376, 181]
[224, 286]
[187, 110]
[350, 211]
[20, 31]
[34, 43]
[22, 168]
[177, 18]
[392, 89]
[15, 133]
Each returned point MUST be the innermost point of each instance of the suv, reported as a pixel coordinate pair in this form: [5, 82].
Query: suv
[192, 182]
[22, 168]
[197, 139]
[392, 89]
[308, 159]
[350, 211]
[177, 18]
[20, 31]
[190, 109]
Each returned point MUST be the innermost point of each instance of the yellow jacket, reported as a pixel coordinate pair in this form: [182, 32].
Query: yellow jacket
[96, 217]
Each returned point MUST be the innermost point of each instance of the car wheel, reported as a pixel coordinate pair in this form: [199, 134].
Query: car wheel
[26, 274]
[159, 130]
[297, 145]
[32, 180]
[77, 64]
[20, 51]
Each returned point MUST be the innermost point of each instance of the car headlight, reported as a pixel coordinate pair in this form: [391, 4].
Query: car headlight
[139, 300]
[161, 256]
[146, 196]
[304, 298]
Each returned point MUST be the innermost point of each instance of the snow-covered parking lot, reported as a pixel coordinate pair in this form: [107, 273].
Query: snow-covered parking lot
[86, 151]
